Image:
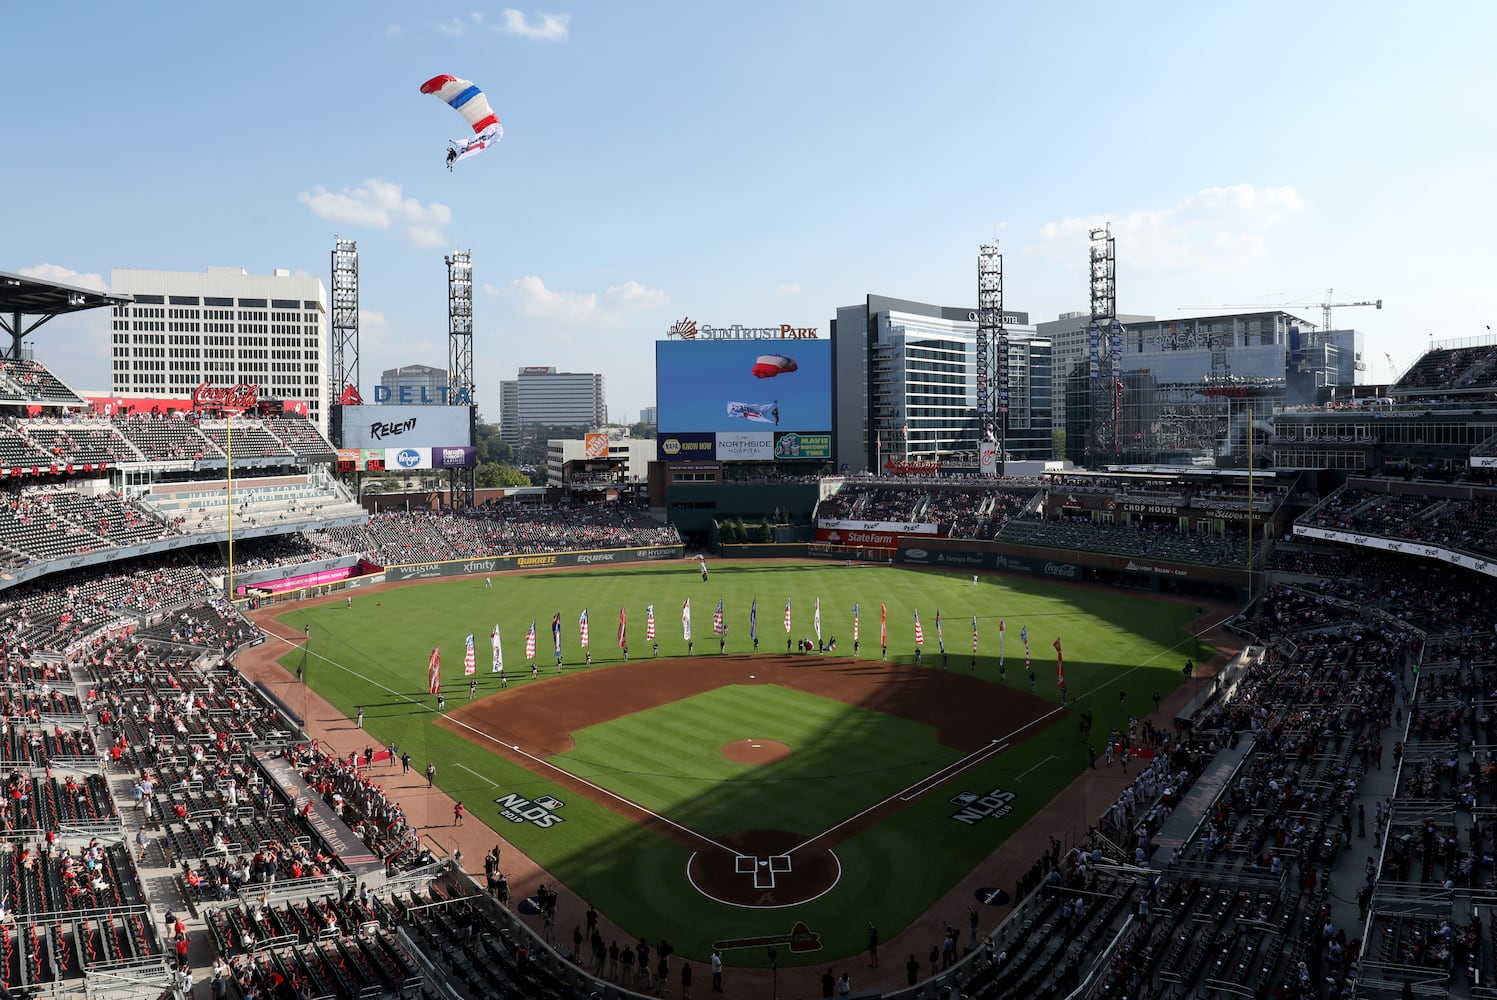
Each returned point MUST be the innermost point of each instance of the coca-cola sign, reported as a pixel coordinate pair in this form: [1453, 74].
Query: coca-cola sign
[241, 396]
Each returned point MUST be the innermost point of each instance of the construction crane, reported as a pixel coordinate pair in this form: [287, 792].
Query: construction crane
[1325, 307]
[1392, 368]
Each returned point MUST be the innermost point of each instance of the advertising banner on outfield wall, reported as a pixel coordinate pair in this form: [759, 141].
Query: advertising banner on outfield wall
[894, 527]
[871, 539]
[539, 560]
[700, 447]
[798, 444]
[454, 458]
[745, 446]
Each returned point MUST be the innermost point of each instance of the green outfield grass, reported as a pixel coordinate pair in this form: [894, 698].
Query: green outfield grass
[668, 759]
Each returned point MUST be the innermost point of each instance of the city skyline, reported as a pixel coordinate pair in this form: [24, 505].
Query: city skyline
[760, 165]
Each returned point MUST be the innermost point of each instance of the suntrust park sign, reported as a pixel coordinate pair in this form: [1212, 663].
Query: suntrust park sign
[687, 328]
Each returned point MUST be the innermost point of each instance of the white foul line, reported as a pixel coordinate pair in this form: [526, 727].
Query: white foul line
[1036, 767]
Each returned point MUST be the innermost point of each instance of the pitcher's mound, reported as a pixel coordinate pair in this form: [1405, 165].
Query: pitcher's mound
[756, 751]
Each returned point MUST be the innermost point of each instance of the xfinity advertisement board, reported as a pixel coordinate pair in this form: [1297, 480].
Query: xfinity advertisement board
[402, 427]
[737, 387]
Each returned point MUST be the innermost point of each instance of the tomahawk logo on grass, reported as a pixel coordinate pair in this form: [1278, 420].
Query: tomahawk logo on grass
[541, 810]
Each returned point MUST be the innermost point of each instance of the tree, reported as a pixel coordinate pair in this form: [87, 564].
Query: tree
[1058, 443]
[491, 447]
[642, 431]
[494, 475]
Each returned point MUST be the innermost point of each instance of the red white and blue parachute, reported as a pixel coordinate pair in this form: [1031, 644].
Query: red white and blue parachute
[470, 102]
[770, 365]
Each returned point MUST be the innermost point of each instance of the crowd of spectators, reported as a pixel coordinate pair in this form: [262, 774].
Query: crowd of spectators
[1145, 538]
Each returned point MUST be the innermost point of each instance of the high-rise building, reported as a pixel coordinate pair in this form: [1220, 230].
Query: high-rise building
[649, 415]
[541, 396]
[223, 326]
[413, 384]
[904, 383]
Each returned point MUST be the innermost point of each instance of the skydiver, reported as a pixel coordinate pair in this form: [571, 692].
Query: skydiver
[776, 412]
[451, 157]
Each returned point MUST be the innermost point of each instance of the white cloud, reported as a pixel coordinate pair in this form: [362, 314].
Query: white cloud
[380, 205]
[459, 25]
[1217, 229]
[540, 28]
[634, 295]
[787, 288]
[66, 276]
[392, 30]
[577, 308]
[544, 303]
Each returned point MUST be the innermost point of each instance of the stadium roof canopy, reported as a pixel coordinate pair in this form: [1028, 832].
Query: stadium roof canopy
[22, 297]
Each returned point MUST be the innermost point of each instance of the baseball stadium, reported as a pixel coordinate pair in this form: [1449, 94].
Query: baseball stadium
[1123, 732]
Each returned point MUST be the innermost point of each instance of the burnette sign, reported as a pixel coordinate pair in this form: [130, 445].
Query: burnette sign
[687, 328]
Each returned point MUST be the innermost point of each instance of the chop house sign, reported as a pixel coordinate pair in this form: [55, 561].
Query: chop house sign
[242, 396]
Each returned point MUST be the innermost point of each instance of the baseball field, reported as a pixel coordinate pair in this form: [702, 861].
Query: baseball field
[722, 798]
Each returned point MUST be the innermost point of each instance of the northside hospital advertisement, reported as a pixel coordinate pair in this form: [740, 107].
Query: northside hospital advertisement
[744, 400]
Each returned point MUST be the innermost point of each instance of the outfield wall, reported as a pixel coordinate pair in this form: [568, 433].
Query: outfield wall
[534, 560]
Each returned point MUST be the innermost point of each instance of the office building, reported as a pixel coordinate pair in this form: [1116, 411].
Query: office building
[413, 384]
[1070, 344]
[223, 326]
[541, 396]
[649, 415]
[904, 384]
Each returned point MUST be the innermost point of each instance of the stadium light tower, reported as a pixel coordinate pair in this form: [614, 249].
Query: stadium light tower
[992, 352]
[344, 367]
[464, 482]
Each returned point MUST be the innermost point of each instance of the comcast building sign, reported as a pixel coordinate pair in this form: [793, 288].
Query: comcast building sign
[688, 329]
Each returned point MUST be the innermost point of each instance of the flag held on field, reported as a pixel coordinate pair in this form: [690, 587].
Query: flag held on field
[919, 632]
[940, 634]
[686, 620]
[754, 620]
[974, 633]
[434, 671]
[623, 628]
[854, 624]
[650, 622]
[582, 635]
[1060, 665]
[816, 619]
[787, 616]
[717, 619]
[1024, 637]
[1001, 629]
[530, 641]
[470, 664]
[556, 633]
[883, 625]
[498, 652]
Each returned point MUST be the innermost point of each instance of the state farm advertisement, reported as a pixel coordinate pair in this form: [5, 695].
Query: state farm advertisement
[861, 539]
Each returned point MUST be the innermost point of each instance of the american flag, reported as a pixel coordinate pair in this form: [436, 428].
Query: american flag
[470, 664]
[919, 632]
[582, 628]
[434, 671]
[787, 616]
[855, 624]
[717, 619]
[650, 623]
[530, 642]
[623, 628]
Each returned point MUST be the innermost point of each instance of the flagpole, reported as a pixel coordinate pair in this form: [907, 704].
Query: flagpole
[229, 438]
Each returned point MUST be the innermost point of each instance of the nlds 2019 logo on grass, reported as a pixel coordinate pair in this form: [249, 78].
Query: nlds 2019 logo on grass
[540, 810]
[975, 808]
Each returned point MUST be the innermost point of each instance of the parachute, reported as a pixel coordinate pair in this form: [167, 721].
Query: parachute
[764, 413]
[471, 103]
[770, 365]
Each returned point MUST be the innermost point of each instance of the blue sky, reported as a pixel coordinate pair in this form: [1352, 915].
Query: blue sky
[757, 163]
